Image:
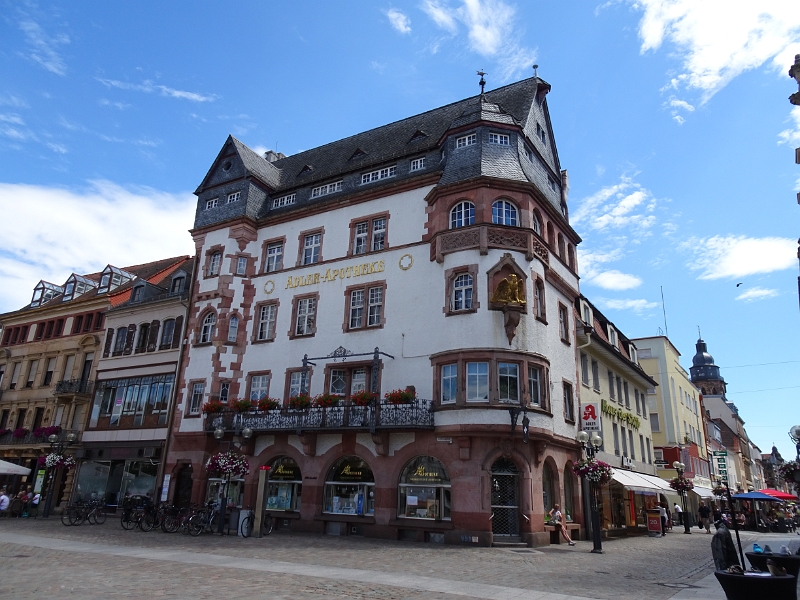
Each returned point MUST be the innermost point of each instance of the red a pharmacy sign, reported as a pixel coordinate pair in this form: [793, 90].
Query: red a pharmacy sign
[590, 416]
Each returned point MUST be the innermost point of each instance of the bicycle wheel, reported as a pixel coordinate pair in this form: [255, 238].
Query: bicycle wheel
[171, 524]
[65, 517]
[268, 525]
[196, 525]
[99, 516]
[127, 520]
[247, 526]
[147, 522]
[76, 516]
[91, 515]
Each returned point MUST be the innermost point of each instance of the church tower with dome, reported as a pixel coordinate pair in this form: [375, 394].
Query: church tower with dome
[705, 374]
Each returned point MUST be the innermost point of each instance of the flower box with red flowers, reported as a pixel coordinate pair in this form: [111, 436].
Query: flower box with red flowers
[45, 432]
[268, 404]
[242, 405]
[327, 400]
[363, 398]
[213, 407]
[300, 402]
[19, 433]
[400, 396]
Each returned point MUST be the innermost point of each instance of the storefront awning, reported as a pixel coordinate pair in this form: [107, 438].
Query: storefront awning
[633, 481]
[703, 492]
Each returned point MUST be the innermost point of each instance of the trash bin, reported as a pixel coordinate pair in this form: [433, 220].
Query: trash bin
[243, 514]
[233, 520]
[653, 522]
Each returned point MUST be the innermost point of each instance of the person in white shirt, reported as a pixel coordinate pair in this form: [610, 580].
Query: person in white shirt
[662, 512]
[557, 518]
[4, 501]
[679, 512]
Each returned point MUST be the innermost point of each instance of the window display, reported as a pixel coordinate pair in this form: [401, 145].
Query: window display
[216, 487]
[424, 490]
[350, 488]
[284, 485]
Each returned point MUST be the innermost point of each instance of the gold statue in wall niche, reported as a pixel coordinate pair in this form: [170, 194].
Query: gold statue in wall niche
[509, 291]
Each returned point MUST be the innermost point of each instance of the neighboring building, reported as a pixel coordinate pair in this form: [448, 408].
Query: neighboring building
[432, 253]
[756, 468]
[124, 440]
[676, 415]
[610, 374]
[770, 463]
[48, 360]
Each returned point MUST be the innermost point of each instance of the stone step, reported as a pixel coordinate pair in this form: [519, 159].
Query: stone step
[509, 544]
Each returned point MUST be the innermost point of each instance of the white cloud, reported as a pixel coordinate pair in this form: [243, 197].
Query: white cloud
[492, 31]
[16, 134]
[623, 205]
[721, 257]
[398, 20]
[792, 135]
[717, 40]
[615, 280]
[679, 119]
[42, 47]
[119, 105]
[60, 148]
[11, 118]
[149, 87]
[637, 306]
[53, 231]
[757, 293]
[10, 100]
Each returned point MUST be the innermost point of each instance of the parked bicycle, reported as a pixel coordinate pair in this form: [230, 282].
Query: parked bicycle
[93, 512]
[138, 511]
[204, 519]
[248, 524]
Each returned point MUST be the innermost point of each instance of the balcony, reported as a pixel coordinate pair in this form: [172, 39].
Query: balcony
[74, 387]
[32, 439]
[382, 416]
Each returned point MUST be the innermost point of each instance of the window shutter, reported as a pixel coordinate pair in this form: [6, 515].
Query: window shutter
[176, 335]
[152, 339]
[129, 339]
[109, 341]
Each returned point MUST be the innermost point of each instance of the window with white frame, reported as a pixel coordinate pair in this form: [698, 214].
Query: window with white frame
[306, 316]
[214, 263]
[504, 213]
[212, 203]
[274, 257]
[196, 401]
[477, 382]
[449, 383]
[584, 368]
[119, 340]
[595, 376]
[466, 140]
[379, 174]
[267, 314]
[241, 265]
[207, 328]
[462, 214]
[234, 197]
[356, 309]
[360, 236]
[417, 164]
[369, 302]
[224, 391]
[499, 138]
[328, 188]
[569, 403]
[612, 336]
[259, 387]
[233, 329]
[508, 382]
[375, 307]
[284, 200]
[538, 299]
[296, 383]
[311, 247]
[378, 233]
[563, 323]
[167, 331]
[655, 425]
[535, 385]
[347, 381]
[462, 292]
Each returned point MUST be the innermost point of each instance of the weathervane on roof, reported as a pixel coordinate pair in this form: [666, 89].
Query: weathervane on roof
[482, 82]
[536, 70]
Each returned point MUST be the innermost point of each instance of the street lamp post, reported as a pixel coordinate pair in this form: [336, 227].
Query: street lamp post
[794, 432]
[219, 433]
[680, 468]
[591, 446]
[57, 446]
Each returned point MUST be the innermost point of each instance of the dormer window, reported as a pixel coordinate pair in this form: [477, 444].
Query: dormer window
[500, 139]
[112, 277]
[587, 314]
[44, 292]
[138, 293]
[379, 174]
[466, 140]
[324, 190]
[212, 203]
[177, 285]
[633, 354]
[234, 197]
[77, 285]
[417, 164]
[612, 336]
[540, 133]
[68, 290]
[284, 201]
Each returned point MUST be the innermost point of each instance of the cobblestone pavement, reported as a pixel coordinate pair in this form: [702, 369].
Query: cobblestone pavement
[44, 557]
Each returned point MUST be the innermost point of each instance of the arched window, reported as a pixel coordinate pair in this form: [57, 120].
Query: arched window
[462, 292]
[214, 264]
[167, 332]
[207, 329]
[350, 488]
[548, 488]
[561, 249]
[233, 328]
[551, 236]
[504, 213]
[536, 222]
[119, 341]
[463, 214]
[538, 299]
[285, 485]
[571, 256]
[569, 493]
[424, 490]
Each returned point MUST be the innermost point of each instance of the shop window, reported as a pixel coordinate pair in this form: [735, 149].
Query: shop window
[284, 485]
[449, 383]
[350, 488]
[477, 382]
[508, 382]
[569, 494]
[216, 490]
[424, 490]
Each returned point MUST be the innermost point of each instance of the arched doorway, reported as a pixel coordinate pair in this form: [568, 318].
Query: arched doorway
[505, 498]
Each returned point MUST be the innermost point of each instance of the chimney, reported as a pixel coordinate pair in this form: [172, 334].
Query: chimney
[271, 156]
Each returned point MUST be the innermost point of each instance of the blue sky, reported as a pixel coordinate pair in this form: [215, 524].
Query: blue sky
[671, 117]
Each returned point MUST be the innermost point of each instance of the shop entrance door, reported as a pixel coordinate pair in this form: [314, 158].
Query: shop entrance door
[505, 498]
[183, 487]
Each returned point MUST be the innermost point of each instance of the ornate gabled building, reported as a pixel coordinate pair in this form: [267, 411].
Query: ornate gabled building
[433, 257]
[48, 361]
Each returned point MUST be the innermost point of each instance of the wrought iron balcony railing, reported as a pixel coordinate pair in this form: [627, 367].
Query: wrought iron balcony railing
[82, 387]
[32, 439]
[383, 415]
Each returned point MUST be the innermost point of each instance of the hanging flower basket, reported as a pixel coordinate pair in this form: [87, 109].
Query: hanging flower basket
[242, 406]
[267, 404]
[213, 407]
[327, 400]
[787, 470]
[300, 402]
[719, 490]
[57, 461]
[681, 484]
[400, 396]
[228, 463]
[363, 398]
[596, 471]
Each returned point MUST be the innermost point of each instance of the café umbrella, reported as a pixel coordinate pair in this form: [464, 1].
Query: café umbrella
[778, 494]
[756, 496]
[7, 468]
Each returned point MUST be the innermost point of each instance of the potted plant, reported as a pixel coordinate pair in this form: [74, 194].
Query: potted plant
[406, 396]
[54, 460]
[242, 405]
[681, 484]
[228, 463]
[268, 404]
[213, 407]
[596, 471]
[19, 433]
[362, 398]
[327, 400]
[300, 402]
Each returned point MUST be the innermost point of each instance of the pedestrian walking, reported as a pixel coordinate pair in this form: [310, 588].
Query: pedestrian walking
[557, 518]
[679, 512]
[705, 516]
[4, 501]
[662, 512]
[722, 548]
